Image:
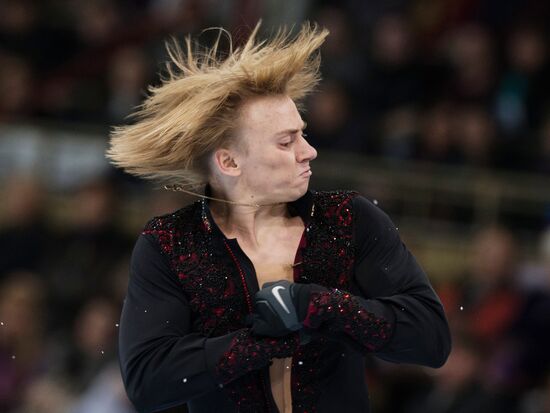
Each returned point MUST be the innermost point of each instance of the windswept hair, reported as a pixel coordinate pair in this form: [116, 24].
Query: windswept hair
[194, 110]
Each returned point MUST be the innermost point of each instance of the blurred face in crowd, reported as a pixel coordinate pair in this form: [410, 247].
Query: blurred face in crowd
[271, 160]
[494, 255]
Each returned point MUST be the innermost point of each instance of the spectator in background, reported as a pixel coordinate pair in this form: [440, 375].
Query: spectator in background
[333, 125]
[343, 63]
[84, 255]
[45, 394]
[474, 135]
[92, 344]
[458, 387]
[535, 274]
[19, 28]
[128, 77]
[16, 87]
[96, 21]
[105, 394]
[541, 156]
[398, 130]
[23, 317]
[521, 94]
[537, 400]
[471, 53]
[506, 323]
[394, 77]
[24, 232]
[434, 142]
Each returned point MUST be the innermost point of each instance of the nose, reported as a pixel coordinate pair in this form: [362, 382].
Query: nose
[306, 152]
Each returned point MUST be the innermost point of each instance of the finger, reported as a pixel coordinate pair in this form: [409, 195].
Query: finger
[249, 320]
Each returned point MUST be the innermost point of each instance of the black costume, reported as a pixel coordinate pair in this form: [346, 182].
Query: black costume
[183, 331]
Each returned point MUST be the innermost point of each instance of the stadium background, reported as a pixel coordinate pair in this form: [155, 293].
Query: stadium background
[437, 110]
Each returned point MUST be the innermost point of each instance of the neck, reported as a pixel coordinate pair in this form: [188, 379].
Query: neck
[247, 222]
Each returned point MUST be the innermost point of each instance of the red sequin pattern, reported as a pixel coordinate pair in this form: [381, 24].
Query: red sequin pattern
[248, 353]
[342, 312]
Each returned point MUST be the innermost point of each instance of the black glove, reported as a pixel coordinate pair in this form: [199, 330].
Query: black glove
[280, 307]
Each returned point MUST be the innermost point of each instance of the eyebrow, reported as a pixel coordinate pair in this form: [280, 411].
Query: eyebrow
[291, 131]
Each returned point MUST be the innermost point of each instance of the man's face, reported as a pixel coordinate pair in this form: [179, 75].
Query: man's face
[274, 156]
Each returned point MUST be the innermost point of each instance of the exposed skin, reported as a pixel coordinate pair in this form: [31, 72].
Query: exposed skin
[269, 165]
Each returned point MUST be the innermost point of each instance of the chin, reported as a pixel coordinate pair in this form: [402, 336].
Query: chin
[297, 192]
[286, 193]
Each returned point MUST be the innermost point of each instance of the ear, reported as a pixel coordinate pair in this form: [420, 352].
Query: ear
[226, 162]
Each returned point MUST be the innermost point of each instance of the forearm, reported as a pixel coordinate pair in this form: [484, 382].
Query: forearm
[169, 370]
[367, 322]
[247, 353]
[406, 328]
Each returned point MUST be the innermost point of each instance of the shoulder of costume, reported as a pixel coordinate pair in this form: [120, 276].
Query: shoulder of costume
[177, 220]
[333, 198]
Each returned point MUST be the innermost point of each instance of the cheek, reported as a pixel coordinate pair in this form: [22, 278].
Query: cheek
[272, 171]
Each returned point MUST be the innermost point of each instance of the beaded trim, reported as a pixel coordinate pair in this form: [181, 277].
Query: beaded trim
[215, 292]
[344, 313]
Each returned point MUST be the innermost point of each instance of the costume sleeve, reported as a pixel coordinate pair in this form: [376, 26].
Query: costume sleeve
[164, 363]
[399, 316]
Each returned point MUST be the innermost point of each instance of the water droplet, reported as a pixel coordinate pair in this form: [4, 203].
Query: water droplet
[167, 321]
[375, 201]
[116, 325]
[300, 363]
[402, 308]
[102, 352]
[184, 380]
[220, 386]
[13, 357]
[461, 308]
[287, 367]
[145, 310]
[397, 228]
[343, 354]
[1, 323]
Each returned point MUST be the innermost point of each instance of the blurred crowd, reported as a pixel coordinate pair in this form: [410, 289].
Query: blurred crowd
[62, 284]
[451, 81]
[461, 82]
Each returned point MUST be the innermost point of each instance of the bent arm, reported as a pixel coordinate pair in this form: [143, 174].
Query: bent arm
[164, 363]
[399, 316]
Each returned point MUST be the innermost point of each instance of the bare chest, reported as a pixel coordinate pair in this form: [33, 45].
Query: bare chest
[274, 259]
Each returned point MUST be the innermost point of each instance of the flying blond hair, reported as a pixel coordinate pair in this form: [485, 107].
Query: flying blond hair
[194, 110]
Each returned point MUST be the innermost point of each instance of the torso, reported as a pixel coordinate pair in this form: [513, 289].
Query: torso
[273, 261]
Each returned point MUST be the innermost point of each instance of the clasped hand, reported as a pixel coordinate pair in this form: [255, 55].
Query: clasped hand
[280, 307]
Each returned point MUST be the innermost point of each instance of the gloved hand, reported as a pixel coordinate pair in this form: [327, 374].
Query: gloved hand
[280, 307]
